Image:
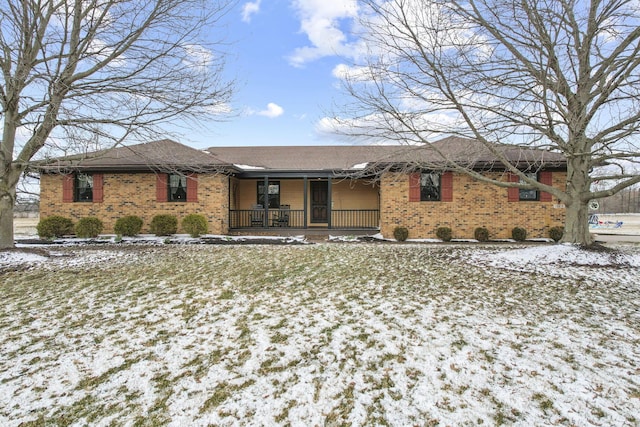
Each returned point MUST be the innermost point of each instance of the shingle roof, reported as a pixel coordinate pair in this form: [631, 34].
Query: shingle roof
[157, 155]
[170, 155]
[334, 158]
[302, 158]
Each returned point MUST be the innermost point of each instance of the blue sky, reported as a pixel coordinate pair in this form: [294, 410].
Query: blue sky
[284, 54]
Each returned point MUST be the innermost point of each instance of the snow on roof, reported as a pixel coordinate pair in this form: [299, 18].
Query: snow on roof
[360, 166]
[248, 167]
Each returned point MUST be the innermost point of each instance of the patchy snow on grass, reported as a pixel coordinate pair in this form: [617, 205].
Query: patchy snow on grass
[328, 334]
[17, 258]
[559, 259]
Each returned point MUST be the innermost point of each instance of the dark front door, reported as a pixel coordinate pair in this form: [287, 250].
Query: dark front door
[319, 201]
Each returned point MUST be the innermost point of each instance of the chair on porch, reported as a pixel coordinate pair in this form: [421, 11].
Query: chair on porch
[257, 216]
[282, 218]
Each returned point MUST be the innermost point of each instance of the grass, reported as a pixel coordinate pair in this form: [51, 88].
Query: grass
[334, 334]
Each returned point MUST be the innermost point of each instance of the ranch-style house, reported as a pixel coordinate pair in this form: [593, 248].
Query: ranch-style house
[303, 189]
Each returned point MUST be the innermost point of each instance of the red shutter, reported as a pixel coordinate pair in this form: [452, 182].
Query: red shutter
[447, 187]
[67, 188]
[513, 192]
[98, 192]
[192, 187]
[414, 187]
[162, 187]
[546, 177]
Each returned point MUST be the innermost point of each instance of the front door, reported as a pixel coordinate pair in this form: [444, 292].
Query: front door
[319, 202]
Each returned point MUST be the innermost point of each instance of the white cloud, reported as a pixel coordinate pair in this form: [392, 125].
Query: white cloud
[249, 9]
[376, 128]
[198, 56]
[273, 110]
[320, 20]
[347, 72]
[220, 109]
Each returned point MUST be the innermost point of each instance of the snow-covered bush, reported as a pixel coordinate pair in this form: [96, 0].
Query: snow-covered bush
[195, 225]
[128, 225]
[54, 226]
[89, 227]
[164, 224]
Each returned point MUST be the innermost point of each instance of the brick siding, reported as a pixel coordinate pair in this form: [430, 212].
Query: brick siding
[135, 194]
[475, 204]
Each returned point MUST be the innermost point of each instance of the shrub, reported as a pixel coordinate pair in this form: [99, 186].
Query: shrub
[556, 233]
[444, 234]
[54, 226]
[164, 225]
[195, 225]
[481, 234]
[519, 234]
[400, 233]
[128, 225]
[89, 227]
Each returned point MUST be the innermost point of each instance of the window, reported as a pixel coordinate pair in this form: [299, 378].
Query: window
[273, 191]
[83, 188]
[529, 194]
[177, 188]
[430, 185]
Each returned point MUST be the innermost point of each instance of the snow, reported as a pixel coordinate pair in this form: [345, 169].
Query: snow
[360, 166]
[337, 334]
[15, 258]
[248, 167]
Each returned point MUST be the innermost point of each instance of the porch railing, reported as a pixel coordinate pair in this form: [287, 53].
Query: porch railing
[249, 218]
[355, 218]
[340, 219]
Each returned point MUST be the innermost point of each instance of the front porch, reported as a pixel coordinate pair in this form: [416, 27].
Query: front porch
[303, 203]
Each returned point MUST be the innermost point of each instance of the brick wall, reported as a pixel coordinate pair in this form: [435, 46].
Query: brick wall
[135, 194]
[475, 204]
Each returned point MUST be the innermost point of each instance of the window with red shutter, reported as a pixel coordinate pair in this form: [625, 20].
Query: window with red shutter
[447, 186]
[431, 187]
[414, 187]
[513, 193]
[192, 187]
[98, 185]
[546, 177]
[67, 188]
[80, 187]
[162, 192]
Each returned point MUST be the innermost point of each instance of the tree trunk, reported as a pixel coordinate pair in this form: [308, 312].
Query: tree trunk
[6, 220]
[576, 227]
[8, 181]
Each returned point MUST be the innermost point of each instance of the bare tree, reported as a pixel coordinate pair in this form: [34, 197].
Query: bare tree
[80, 75]
[553, 75]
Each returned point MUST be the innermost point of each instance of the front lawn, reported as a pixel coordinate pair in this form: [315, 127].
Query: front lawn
[329, 334]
